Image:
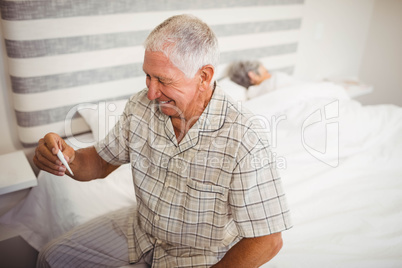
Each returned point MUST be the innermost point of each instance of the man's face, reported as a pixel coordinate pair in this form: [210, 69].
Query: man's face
[176, 94]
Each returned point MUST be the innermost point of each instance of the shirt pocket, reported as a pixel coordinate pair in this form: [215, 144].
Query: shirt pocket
[203, 215]
[205, 203]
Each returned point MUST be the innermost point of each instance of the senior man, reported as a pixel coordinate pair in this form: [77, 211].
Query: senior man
[207, 192]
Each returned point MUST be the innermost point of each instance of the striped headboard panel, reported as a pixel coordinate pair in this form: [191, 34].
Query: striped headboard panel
[64, 52]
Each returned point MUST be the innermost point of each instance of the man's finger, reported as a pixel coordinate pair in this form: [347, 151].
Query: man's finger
[45, 154]
[41, 166]
[51, 164]
[52, 141]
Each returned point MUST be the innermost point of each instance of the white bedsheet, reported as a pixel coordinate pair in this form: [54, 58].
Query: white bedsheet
[343, 180]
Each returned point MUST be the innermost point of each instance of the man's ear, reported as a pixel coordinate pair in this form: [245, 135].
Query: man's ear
[253, 76]
[206, 75]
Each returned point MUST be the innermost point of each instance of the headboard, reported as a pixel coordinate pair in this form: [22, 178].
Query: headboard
[62, 53]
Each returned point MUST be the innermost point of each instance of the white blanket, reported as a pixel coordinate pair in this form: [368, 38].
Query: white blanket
[345, 202]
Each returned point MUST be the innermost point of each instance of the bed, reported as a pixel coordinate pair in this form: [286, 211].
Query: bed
[342, 177]
[339, 160]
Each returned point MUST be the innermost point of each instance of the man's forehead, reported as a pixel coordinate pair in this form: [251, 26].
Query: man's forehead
[160, 74]
[156, 64]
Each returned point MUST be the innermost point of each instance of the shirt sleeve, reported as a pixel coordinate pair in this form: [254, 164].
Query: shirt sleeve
[114, 147]
[256, 198]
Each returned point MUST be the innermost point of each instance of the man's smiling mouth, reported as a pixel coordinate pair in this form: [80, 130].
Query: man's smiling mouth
[165, 102]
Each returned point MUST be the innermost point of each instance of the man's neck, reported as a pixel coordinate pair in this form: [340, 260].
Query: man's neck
[181, 125]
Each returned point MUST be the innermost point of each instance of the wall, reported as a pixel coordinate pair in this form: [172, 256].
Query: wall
[382, 60]
[333, 36]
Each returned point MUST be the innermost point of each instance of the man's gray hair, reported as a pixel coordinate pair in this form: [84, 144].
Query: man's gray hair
[188, 42]
[238, 72]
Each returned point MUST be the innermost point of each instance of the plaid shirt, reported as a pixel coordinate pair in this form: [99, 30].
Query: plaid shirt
[199, 197]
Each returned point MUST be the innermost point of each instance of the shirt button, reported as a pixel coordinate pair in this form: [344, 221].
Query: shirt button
[158, 241]
[157, 218]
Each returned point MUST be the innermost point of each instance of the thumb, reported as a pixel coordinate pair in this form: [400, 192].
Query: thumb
[59, 147]
[68, 151]
[53, 142]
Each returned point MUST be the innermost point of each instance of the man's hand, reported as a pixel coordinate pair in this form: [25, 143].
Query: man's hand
[85, 163]
[252, 252]
[45, 156]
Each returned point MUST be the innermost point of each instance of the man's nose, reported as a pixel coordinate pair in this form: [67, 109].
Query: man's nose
[153, 90]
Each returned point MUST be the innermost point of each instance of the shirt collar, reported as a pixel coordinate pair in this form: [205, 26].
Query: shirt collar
[212, 119]
[214, 114]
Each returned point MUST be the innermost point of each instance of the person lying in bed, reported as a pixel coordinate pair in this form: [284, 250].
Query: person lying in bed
[207, 194]
[256, 78]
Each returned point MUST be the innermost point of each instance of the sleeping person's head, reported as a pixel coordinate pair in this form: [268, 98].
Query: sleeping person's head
[248, 73]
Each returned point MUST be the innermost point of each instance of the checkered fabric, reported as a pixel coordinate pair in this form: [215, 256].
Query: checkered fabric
[197, 198]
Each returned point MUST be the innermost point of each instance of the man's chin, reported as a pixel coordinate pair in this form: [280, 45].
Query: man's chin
[168, 109]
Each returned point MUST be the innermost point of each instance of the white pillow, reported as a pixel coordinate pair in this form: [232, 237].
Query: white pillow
[278, 80]
[102, 117]
[237, 92]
